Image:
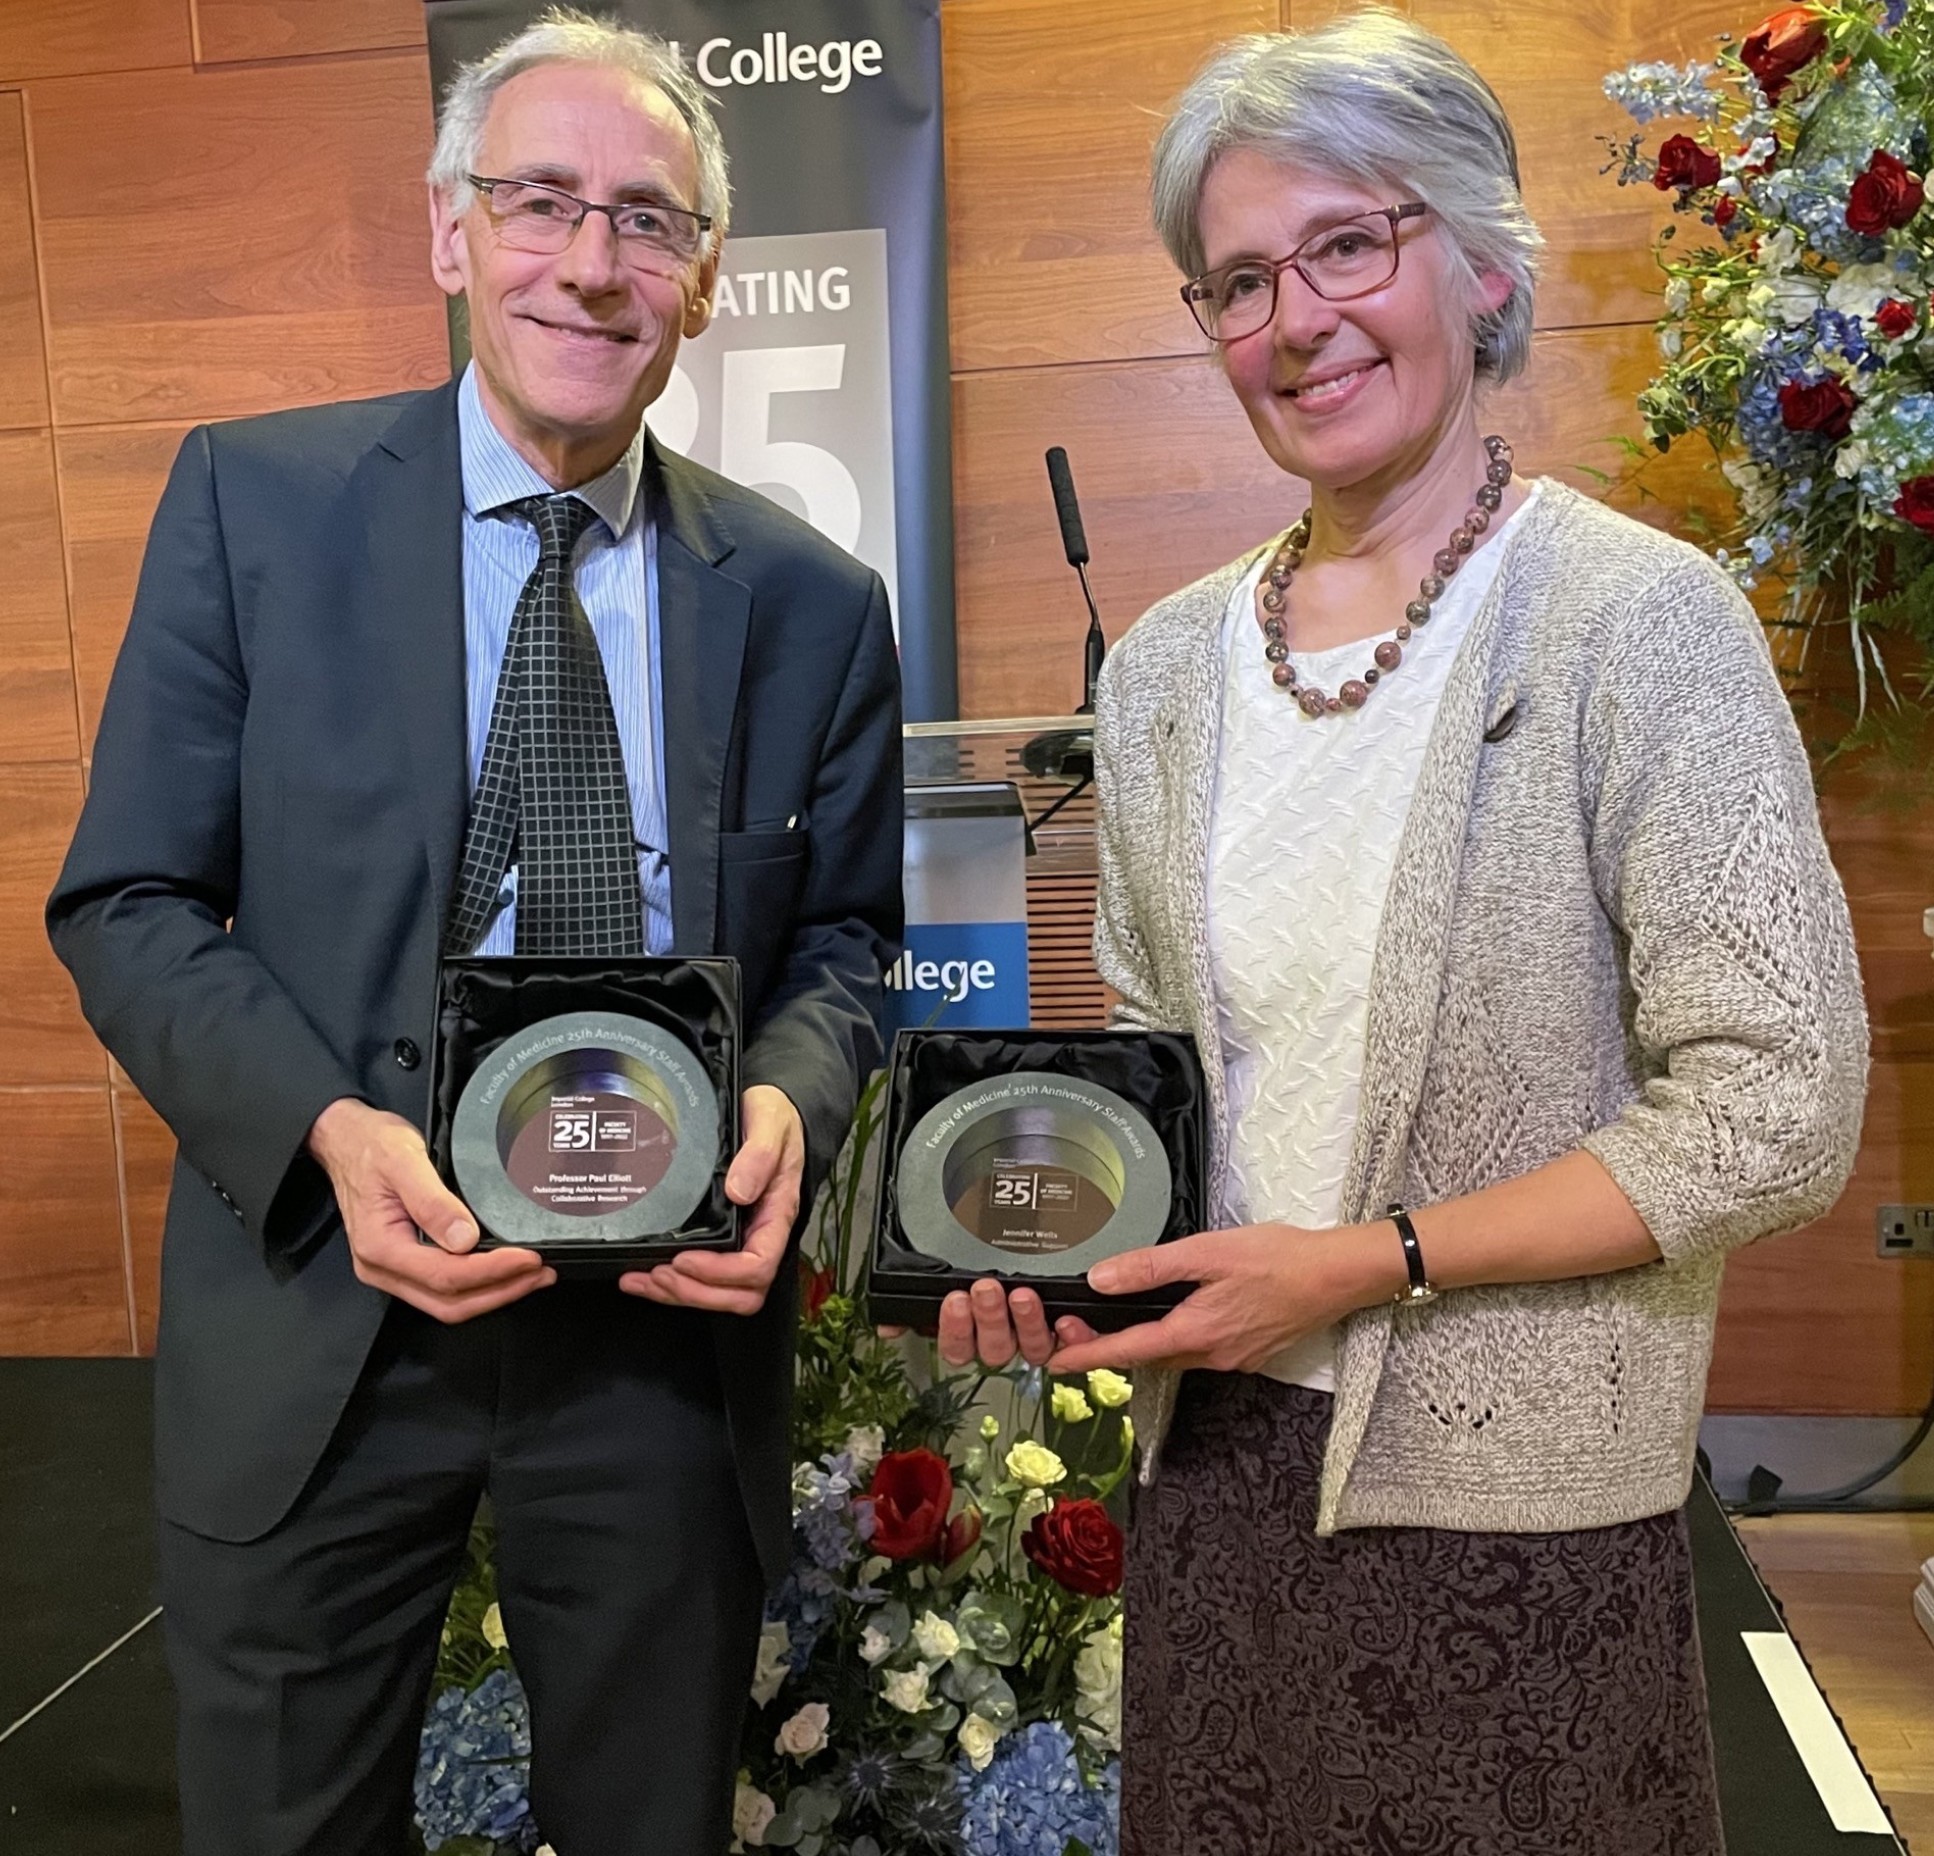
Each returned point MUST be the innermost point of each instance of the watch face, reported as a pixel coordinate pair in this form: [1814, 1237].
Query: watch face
[586, 1126]
[1032, 1174]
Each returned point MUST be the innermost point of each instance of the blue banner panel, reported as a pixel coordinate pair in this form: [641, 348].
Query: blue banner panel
[959, 973]
[823, 381]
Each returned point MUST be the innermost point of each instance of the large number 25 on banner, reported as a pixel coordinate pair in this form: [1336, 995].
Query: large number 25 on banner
[823, 381]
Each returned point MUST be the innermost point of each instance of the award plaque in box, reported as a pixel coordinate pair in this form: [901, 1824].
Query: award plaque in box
[588, 1109]
[1030, 1156]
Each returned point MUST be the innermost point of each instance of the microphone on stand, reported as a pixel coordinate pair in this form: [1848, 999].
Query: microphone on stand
[1074, 544]
[1069, 754]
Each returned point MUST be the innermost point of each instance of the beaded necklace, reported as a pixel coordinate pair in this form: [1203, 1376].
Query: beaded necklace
[1389, 654]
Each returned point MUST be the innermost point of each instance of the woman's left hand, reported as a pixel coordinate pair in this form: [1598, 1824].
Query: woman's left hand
[1259, 1288]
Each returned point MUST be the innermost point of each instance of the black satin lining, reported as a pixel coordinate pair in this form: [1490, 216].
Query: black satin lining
[1158, 1071]
[482, 1002]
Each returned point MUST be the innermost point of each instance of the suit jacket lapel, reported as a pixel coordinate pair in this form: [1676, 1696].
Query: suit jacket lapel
[703, 618]
[412, 490]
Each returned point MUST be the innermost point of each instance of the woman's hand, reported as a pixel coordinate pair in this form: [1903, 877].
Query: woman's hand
[1259, 1288]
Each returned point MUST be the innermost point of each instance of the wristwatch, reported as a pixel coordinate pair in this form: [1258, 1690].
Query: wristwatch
[1420, 1288]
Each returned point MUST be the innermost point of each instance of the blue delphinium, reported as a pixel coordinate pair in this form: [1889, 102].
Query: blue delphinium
[1032, 1799]
[473, 1765]
[1648, 91]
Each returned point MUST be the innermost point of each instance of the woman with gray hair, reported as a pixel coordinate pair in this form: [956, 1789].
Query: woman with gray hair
[1466, 827]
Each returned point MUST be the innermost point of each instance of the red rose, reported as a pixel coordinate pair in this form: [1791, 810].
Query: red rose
[910, 1495]
[1894, 318]
[1779, 45]
[1077, 1544]
[1825, 407]
[962, 1535]
[1915, 503]
[1683, 163]
[1723, 210]
[1884, 197]
[814, 1290]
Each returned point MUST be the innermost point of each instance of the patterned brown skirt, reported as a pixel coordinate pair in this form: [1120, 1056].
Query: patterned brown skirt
[1395, 1691]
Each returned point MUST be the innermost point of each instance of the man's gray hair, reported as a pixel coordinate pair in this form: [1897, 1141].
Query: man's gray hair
[1369, 97]
[566, 36]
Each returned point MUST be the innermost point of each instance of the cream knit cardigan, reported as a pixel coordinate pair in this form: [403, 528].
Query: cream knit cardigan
[1613, 925]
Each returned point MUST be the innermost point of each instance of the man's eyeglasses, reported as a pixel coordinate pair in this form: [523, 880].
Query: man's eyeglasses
[1340, 262]
[530, 217]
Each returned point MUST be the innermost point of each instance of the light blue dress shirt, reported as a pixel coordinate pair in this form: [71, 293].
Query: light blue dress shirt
[617, 584]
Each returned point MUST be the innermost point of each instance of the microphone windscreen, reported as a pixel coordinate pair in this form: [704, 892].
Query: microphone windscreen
[1073, 541]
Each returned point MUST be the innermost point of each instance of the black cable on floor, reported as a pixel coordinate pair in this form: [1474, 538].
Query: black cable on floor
[1763, 1487]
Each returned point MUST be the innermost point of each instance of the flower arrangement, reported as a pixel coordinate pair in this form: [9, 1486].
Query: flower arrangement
[1795, 336]
[940, 1673]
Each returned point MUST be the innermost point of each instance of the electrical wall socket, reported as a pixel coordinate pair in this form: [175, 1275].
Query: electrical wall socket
[1904, 1230]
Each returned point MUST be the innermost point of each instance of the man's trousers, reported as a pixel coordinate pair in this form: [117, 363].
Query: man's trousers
[628, 1583]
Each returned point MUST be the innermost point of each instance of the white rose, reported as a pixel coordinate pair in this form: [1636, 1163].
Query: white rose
[1780, 252]
[772, 1665]
[865, 1444]
[1109, 1389]
[935, 1638]
[752, 1811]
[978, 1739]
[1097, 1679]
[805, 1734]
[1851, 459]
[1860, 289]
[493, 1629]
[1678, 296]
[906, 1689]
[875, 1645]
[1670, 342]
[1791, 300]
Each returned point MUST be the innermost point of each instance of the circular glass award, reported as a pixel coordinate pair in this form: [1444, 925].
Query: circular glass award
[585, 1128]
[1032, 1174]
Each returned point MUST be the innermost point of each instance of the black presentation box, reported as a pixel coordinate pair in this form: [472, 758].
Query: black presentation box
[1028, 1155]
[607, 1099]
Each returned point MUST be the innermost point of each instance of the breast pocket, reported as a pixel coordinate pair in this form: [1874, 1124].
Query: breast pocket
[762, 875]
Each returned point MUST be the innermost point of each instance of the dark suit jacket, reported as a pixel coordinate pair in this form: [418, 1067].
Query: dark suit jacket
[254, 898]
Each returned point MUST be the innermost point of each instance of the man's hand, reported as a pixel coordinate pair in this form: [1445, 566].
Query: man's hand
[766, 1175]
[388, 1191]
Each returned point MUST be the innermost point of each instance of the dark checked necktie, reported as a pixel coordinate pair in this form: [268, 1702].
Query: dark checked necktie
[552, 794]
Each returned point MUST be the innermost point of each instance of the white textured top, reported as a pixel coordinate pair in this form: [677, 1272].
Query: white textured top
[1307, 816]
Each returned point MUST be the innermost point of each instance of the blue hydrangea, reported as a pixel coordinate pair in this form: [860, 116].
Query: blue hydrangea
[473, 1765]
[1648, 91]
[1898, 439]
[825, 1522]
[1032, 1799]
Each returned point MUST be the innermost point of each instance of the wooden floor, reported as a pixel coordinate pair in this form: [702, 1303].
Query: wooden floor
[1846, 1584]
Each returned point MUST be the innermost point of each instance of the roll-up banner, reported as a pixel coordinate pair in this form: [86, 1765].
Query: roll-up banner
[823, 380]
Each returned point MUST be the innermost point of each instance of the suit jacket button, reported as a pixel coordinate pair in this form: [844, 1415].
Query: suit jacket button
[407, 1054]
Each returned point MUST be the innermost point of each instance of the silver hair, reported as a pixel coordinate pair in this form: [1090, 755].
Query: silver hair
[1369, 97]
[565, 36]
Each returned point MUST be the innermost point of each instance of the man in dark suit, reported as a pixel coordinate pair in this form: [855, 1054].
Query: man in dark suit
[311, 780]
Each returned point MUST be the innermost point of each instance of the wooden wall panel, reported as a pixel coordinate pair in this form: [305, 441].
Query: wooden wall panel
[1547, 64]
[1173, 483]
[147, 1167]
[58, 38]
[36, 656]
[235, 30]
[1815, 1321]
[63, 1285]
[246, 284]
[43, 1038]
[111, 478]
[23, 365]
[1051, 111]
